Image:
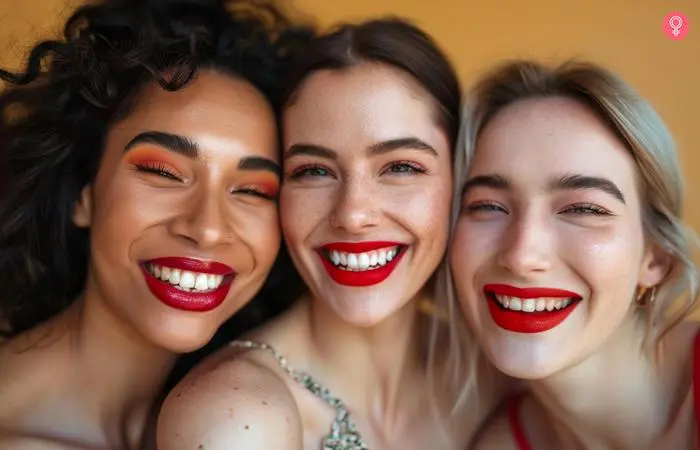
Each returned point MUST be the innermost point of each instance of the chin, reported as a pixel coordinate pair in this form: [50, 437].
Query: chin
[184, 343]
[180, 337]
[525, 365]
[364, 314]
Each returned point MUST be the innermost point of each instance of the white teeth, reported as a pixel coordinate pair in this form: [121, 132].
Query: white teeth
[515, 304]
[541, 303]
[373, 259]
[363, 261]
[211, 281]
[530, 305]
[200, 282]
[335, 257]
[356, 262]
[186, 280]
[175, 275]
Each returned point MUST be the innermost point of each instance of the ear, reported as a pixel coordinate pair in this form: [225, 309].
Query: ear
[82, 210]
[656, 265]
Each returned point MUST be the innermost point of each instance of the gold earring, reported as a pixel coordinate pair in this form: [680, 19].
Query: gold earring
[646, 296]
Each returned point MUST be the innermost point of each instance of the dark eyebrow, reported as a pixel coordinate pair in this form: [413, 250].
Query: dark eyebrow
[172, 142]
[408, 143]
[260, 163]
[578, 181]
[310, 150]
[490, 181]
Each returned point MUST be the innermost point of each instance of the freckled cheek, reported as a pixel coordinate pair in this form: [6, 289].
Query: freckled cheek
[301, 211]
[427, 216]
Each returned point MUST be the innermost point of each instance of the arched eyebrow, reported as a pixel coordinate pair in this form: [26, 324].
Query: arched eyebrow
[407, 143]
[572, 181]
[188, 148]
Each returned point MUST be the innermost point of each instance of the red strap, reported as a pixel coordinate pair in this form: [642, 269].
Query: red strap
[516, 427]
[696, 381]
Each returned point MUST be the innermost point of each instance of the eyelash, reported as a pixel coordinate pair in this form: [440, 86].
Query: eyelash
[587, 208]
[577, 208]
[307, 170]
[256, 192]
[161, 169]
[157, 168]
[413, 168]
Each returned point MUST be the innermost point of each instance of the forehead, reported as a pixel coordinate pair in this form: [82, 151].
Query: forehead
[212, 109]
[552, 136]
[361, 105]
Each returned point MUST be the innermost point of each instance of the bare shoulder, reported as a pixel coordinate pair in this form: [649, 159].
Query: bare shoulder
[495, 434]
[16, 441]
[230, 401]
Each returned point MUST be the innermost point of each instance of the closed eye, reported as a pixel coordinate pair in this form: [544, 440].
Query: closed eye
[586, 209]
[158, 168]
[484, 206]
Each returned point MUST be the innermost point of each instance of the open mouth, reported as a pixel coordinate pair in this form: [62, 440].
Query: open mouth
[188, 284]
[364, 261]
[532, 305]
[529, 310]
[185, 280]
[361, 263]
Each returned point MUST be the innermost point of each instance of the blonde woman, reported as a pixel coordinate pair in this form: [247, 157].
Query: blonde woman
[571, 263]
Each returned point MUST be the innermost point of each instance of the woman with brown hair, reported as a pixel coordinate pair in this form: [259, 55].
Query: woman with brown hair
[369, 121]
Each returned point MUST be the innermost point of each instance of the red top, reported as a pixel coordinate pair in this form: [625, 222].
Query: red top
[516, 426]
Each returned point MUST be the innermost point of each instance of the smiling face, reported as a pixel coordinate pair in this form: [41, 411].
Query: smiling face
[549, 246]
[365, 203]
[182, 216]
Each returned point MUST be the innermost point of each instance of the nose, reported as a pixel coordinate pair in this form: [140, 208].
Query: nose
[204, 221]
[356, 207]
[526, 248]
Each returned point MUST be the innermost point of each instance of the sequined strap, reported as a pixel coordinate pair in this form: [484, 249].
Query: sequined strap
[343, 434]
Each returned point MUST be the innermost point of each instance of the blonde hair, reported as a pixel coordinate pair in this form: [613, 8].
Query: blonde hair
[649, 142]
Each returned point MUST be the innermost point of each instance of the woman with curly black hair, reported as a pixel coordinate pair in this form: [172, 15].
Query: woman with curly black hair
[139, 167]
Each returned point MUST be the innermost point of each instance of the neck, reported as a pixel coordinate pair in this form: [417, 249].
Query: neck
[624, 401]
[115, 374]
[372, 365]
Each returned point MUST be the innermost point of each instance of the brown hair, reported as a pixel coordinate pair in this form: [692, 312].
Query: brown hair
[391, 41]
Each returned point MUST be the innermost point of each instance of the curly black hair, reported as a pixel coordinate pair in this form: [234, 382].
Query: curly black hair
[55, 115]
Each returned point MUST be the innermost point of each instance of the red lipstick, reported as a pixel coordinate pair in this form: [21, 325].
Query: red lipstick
[367, 277]
[528, 322]
[189, 301]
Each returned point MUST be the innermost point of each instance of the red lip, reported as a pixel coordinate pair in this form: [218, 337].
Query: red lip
[366, 277]
[359, 247]
[193, 265]
[527, 322]
[189, 301]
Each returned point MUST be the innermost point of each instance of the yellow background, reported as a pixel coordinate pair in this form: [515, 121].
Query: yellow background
[625, 35]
